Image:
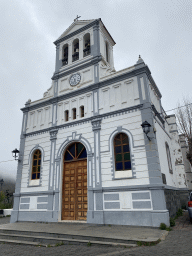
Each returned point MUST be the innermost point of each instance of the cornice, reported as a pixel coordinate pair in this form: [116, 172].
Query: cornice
[73, 69]
[85, 120]
[95, 22]
[89, 88]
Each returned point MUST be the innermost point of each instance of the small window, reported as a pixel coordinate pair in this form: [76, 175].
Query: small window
[74, 113]
[66, 115]
[82, 111]
[169, 158]
[36, 165]
[122, 152]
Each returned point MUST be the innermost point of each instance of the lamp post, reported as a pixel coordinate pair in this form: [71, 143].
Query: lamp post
[146, 128]
[15, 154]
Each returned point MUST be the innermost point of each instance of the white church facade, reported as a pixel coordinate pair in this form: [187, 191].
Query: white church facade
[83, 153]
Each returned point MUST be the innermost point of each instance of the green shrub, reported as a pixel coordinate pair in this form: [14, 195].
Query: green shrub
[163, 226]
[172, 222]
[179, 212]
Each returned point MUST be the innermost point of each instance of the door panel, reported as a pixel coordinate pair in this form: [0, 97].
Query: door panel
[74, 205]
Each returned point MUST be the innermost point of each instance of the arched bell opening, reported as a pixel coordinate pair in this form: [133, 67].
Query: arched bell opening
[75, 49]
[86, 45]
[74, 193]
[65, 55]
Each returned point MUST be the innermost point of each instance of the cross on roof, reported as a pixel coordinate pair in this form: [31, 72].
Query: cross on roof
[77, 18]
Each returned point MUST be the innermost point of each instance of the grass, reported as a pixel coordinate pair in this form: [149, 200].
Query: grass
[59, 244]
[141, 243]
[89, 243]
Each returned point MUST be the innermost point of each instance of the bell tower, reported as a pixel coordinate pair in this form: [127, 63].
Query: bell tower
[81, 51]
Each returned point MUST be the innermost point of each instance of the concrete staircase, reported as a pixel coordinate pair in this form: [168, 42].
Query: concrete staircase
[55, 239]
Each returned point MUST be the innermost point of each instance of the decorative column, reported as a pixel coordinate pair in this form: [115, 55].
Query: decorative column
[98, 214]
[58, 62]
[51, 197]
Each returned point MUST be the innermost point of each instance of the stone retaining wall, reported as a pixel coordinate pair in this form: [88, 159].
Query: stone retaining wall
[175, 199]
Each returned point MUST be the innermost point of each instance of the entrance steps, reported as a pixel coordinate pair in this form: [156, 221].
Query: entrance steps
[55, 239]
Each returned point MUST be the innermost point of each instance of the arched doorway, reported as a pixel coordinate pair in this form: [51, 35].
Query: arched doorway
[74, 195]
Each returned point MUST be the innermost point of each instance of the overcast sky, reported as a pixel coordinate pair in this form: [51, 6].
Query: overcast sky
[160, 31]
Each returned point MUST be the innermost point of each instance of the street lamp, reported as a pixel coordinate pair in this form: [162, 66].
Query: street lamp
[15, 154]
[146, 128]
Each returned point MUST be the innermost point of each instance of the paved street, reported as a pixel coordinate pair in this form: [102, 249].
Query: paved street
[178, 242]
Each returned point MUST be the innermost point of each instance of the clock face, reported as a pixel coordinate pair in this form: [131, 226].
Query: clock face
[75, 79]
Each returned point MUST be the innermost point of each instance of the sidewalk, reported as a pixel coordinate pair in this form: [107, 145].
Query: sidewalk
[82, 230]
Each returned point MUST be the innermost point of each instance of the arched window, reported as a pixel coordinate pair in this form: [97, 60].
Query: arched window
[36, 165]
[122, 152]
[86, 45]
[65, 55]
[75, 151]
[75, 50]
[168, 157]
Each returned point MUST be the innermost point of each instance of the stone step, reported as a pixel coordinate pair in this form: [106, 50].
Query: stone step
[59, 236]
[52, 241]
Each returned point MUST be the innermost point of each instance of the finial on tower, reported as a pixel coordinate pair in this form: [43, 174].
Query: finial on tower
[77, 18]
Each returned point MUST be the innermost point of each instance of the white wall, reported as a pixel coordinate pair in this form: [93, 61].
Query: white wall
[120, 95]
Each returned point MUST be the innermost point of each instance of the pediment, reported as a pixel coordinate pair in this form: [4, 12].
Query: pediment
[75, 26]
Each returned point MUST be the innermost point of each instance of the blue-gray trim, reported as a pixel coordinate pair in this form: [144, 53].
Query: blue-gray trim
[58, 62]
[112, 205]
[25, 200]
[110, 197]
[42, 199]
[137, 196]
[55, 87]
[141, 204]
[136, 218]
[15, 211]
[42, 206]
[80, 91]
[30, 162]
[96, 39]
[95, 109]
[54, 114]
[24, 206]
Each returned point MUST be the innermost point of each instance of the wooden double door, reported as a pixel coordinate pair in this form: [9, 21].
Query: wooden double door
[74, 205]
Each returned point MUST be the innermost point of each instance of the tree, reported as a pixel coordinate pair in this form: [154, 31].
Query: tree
[184, 117]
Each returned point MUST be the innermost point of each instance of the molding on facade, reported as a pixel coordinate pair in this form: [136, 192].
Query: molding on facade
[89, 88]
[86, 120]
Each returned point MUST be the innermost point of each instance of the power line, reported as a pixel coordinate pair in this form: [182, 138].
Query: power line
[7, 161]
[178, 107]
